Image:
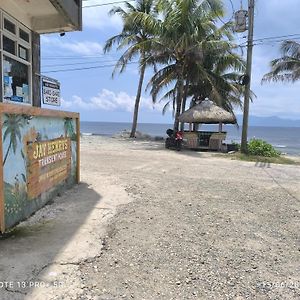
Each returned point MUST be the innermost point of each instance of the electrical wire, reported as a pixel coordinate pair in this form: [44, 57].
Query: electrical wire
[225, 23]
[282, 37]
[82, 57]
[107, 3]
[87, 68]
[80, 63]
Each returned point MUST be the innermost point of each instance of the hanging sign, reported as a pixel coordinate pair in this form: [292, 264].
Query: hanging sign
[50, 91]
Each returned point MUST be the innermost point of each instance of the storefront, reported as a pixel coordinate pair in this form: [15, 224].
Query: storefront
[39, 147]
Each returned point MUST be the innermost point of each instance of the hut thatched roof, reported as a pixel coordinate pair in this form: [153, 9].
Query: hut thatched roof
[207, 112]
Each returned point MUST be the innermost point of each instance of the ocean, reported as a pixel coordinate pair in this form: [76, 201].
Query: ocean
[284, 139]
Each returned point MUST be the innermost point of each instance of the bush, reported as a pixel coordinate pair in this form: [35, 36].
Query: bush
[262, 148]
[237, 145]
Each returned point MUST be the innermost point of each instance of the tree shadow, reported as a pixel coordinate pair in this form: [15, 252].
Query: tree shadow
[261, 164]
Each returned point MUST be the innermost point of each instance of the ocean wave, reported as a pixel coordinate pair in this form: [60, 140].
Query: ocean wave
[280, 146]
[86, 133]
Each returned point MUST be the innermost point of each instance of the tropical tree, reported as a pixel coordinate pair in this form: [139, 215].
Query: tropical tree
[194, 52]
[287, 67]
[133, 37]
[12, 130]
[220, 79]
[69, 129]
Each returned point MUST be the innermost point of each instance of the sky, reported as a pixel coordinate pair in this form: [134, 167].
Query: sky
[99, 97]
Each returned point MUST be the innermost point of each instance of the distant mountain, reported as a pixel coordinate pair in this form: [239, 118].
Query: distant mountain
[269, 121]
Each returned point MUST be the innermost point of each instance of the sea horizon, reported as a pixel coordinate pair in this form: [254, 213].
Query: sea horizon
[284, 139]
[171, 124]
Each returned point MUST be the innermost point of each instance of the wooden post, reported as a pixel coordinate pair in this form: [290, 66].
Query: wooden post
[244, 142]
[2, 207]
[220, 127]
[36, 70]
[78, 150]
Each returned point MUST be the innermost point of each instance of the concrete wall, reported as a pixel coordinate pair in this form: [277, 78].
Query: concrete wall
[40, 158]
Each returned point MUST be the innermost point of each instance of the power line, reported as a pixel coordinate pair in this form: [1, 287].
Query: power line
[87, 68]
[267, 42]
[108, 3]
[80, 63]
[282, 37]
[75, 57]
[225, 23]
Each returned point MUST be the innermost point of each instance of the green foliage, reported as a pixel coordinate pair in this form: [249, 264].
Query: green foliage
[12, 126]
[287, 67]
[238, 145]
[139, 26]
[260, 147]
[191, 55]
[69, 129]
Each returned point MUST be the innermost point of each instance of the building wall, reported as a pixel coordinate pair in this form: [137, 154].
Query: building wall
[40, 159]
[46, 16]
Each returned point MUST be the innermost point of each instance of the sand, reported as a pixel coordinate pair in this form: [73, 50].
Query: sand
[149, 223]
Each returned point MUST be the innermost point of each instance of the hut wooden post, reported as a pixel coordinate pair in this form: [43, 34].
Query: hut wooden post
[2, 207]
[220, 127]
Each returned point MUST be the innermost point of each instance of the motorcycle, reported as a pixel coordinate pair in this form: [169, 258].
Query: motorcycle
[174, 141]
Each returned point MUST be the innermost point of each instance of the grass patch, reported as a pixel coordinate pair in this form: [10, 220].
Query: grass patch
[254, 158]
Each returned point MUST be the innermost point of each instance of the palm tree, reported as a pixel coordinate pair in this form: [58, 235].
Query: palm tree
[69, 128]
[133, 38]
[196, 53]
[220, 83]
[12, 125]
[287, 67]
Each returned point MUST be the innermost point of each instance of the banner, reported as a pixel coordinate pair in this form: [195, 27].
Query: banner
[49, 163]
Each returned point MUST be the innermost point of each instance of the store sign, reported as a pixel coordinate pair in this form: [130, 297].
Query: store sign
[49, 163]
[51, 91]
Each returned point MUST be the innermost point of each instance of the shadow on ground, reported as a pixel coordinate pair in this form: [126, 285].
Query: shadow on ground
[30, 247]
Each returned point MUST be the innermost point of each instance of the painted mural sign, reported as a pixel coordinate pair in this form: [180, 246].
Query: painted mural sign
[51, 91]
[49, 163]
[39, 160]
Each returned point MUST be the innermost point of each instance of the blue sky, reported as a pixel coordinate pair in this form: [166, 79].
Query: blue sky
[98, 97]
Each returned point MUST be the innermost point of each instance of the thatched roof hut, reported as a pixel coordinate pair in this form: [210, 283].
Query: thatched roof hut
[207, 112]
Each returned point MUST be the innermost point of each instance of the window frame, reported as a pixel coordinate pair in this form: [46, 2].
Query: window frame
[18, 42]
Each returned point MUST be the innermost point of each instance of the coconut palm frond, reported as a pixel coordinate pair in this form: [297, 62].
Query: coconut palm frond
[287, 67]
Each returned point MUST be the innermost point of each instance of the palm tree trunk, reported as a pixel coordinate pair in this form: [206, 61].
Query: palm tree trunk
[180, 88]
[137, 101]
[6, 155]
[185, 93]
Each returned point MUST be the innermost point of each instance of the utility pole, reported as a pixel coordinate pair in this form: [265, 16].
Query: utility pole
[248, 74]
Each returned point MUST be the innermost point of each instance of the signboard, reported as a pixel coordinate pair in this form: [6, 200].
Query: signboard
[50, 91]
[49, 163]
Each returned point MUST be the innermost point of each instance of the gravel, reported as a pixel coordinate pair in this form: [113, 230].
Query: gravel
[199, 227]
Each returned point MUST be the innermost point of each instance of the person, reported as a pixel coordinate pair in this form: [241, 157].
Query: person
[178, 140]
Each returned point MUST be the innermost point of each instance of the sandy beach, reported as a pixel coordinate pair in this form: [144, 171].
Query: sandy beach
[149, 223]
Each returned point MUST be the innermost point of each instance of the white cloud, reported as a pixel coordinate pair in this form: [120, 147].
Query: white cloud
[108, 100]
[99, 18]
[81, 48]
[65, 104]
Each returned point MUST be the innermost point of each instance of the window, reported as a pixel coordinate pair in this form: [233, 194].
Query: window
[9, 45]
[10, 26]
[16, 80]
[24, 35]
[23, 52]
[16, 61]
